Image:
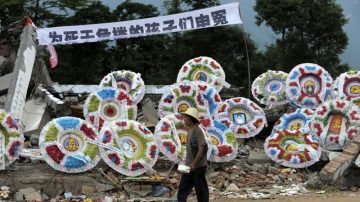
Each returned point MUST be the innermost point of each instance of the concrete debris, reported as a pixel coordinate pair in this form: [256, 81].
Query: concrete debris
[357, 161]
[28, 194]
[151, 116]
[232, 188]
[234, 195]
[135, 189]
[314, 181]
[4, 82]
[259, 157]
[244, 150]
[295, 189]
[35, 116]
[337, 168]
[258, 195]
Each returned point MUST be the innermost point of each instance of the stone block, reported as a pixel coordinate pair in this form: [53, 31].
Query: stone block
[28, 194]
[352, 149]
[356, 139]
[259, 157]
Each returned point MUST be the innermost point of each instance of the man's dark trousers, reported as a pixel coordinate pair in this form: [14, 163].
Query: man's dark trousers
[195, 178]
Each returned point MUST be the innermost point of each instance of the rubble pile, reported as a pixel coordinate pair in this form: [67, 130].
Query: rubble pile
[242, 180]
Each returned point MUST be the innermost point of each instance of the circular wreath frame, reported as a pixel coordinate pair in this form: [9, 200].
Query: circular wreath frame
[179, 92]
[302, 113]
[252, 127]
[137, 90]
[274, 148]
[214, 72]
[94, 102]
[320, 122]
[300, 98]
[259, 92]
[117, 159]
[168, 142]
[226, 150]
[341, 82]
[12, 137]
[54, 153]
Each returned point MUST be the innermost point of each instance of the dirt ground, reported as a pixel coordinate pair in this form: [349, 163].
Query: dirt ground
[313, 197]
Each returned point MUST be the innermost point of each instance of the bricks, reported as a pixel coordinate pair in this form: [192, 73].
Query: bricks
[356, 139]
[331, 167]
[343, 158]
[337, 167]
[352, 149]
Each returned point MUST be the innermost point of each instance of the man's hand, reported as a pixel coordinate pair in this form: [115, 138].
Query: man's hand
[192, 166]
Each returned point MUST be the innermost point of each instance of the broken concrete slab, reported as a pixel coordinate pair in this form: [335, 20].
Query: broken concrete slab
[357, 161]
[232, 188]
[85, 189]
[2, 101]
[336, 168]
[4, 82]
[150, 114]
[23, 67]
[35, 115]
[259, 158]
[28, 194]
[52, 183]
[53, 102]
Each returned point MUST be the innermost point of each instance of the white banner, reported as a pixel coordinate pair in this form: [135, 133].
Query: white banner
[227, 14]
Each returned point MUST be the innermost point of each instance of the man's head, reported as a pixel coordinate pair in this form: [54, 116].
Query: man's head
[191, 117]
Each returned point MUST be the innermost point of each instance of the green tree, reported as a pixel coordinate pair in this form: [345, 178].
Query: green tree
[309, 30]
[41, 11]
[173, 6]
[90, 60]
[198, 4]
[10, 11]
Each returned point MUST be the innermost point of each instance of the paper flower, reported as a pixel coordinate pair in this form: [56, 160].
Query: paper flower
[294, 149]
[242, 116]
[171, 135]
[223, 146]
[66, 143]
[347, 86]
[181, 96]
[211, 96]
[109, 104]
[11, 137]
[335, 123]
[308, 85]
[297, 119]
[126, 80]
[269, 88]
[129, 147]
[203, 69]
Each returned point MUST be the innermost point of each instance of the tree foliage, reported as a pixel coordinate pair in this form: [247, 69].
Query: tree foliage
[309, 30]
[10, 11]
[198, 4]
[90, 60]
[41, 11]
